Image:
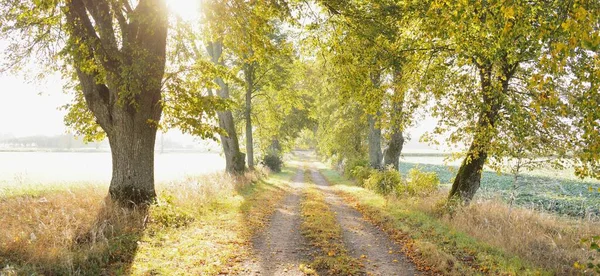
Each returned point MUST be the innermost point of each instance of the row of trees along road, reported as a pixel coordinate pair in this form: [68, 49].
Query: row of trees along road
[511, 79]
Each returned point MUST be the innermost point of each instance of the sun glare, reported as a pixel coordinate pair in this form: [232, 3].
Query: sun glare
[187, 9]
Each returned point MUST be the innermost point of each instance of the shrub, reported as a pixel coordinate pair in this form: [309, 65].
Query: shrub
[361, 174]
[273, 162]
[352, 164]
[419, 183]
[383, 182]
[167, 215]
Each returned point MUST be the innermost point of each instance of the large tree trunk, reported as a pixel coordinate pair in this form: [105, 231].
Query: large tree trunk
[396, 142]
[122, 85]
[374, 138]
[393, 150]
[375, 154]
[468, 178]
[249, 77]
[132, 148]
[234, 159]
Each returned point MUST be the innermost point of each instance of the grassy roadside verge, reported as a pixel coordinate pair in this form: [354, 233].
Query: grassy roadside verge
[430, 242]
[321, 229]
[200, 226]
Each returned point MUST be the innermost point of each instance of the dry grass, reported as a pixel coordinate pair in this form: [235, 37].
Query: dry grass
[546, 240]
[200, 225]
[62, 233]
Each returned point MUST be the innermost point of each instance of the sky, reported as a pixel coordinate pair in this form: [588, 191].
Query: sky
[33, 108]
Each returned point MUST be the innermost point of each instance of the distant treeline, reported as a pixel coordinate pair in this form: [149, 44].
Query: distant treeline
[67, 142]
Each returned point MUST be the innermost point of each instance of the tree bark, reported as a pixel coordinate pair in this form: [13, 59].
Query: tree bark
[394, 149]
[468, 178]
[374, 138]
[234, 159]
[375, 154]
[132, 148]
[249, 77]
[396, 142]
[123, 88]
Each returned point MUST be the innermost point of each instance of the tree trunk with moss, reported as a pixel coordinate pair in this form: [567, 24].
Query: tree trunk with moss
[120, 77]
[396, 141]
[468, 178]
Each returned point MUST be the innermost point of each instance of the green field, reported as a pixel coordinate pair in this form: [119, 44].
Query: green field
[545, 190]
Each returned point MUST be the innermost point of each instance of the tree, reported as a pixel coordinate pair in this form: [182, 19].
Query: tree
[234, 159]
[216, 17]
[578, 56]
[228, 65]
[373, 105]
[249, 76]
[274, 102]
[285, 105]
[396, 138]
[117, 54]
[246, 30]
[352, 66]
[492, 72]
[370, 44]
[205, 58]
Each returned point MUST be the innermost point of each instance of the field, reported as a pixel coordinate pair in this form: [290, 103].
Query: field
[546, 190]
[38, 172]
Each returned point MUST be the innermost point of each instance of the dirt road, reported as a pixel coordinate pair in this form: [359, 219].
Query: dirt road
[280, 249]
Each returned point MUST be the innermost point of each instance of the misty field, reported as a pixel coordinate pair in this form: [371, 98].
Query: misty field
[34, 171]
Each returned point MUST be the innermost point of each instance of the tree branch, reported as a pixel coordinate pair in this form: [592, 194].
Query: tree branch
[118, 6]
[84, 31]
[100, 12]
[97, 95]
[127, 6]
